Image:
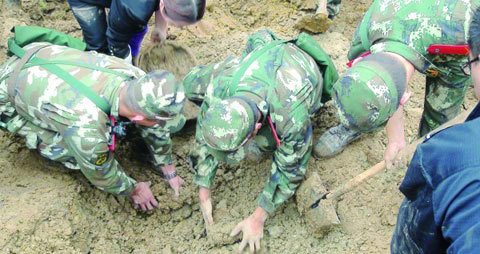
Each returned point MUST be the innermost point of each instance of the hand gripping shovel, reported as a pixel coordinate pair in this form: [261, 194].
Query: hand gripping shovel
[317, 204]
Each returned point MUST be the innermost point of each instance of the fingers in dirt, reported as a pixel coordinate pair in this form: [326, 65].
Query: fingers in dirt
[242, 245]
[257, 244]
[252, 246]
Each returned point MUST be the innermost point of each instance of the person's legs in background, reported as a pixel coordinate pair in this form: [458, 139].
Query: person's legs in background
[93, 21]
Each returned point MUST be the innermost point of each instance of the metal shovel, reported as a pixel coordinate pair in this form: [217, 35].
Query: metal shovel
[317, 204]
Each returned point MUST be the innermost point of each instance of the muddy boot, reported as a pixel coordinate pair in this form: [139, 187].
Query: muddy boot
[334, 140]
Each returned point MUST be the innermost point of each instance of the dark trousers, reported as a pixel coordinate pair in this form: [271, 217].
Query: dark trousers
[111, 34]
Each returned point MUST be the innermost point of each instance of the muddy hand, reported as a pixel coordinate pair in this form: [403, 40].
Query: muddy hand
[394, 159]
[176, 183]
[252, 228]
[173, 179]
[206, 206]
[142, 197]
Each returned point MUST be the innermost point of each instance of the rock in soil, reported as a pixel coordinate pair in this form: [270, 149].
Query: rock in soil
[314, 23]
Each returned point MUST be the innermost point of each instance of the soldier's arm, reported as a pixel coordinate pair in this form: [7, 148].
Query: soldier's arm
[96, 162]
[356, 47]
[159, 142]
[288, 166]
[258, 39]
[198, 79]
[293, 126]
[203, 163]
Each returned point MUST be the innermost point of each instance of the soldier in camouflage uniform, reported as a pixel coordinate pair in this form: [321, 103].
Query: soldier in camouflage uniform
[66, 127]
[272, 90]
[371, 92]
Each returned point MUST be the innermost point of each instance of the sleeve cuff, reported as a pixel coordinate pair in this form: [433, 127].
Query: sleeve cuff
[266, 204]
[162, 160]
[129, 189]
[203, 182]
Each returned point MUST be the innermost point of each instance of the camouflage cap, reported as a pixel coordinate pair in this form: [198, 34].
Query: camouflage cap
[367, 95]
[156, 95]
[226, 127]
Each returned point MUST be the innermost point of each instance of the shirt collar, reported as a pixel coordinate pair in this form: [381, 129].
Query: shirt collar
[475, 113]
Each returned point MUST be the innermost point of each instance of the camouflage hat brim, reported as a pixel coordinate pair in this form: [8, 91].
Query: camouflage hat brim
[175, 124]
[233, 157]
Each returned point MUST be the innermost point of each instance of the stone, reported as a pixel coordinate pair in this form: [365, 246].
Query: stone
[314, 23]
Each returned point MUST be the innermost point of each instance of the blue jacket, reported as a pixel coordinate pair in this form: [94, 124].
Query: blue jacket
[441, 211]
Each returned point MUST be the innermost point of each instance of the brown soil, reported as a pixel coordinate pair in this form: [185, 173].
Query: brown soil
[44, 209]
[168, 56]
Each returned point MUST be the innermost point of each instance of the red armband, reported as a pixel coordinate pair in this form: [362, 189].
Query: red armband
[438, 49]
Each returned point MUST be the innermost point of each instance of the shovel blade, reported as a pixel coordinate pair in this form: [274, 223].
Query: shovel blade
[322, 219]
[309, 192]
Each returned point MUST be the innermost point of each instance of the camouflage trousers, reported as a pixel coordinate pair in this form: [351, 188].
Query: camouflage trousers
[444, 96]
[50, 144]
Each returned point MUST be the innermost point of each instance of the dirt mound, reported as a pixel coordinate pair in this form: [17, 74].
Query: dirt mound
[173, 57]
[169, 56]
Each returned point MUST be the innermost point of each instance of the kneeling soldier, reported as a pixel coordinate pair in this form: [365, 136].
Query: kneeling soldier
[65, 101]
[429, 36]
[262, 101]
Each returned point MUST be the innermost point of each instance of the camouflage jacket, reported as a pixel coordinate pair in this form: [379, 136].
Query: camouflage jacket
[47, 102]
[286, 84]
[408, 28]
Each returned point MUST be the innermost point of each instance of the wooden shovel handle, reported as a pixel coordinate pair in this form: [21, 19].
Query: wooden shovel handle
[407, 151]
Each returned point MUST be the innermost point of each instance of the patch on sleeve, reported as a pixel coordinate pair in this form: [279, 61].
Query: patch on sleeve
[102, 158]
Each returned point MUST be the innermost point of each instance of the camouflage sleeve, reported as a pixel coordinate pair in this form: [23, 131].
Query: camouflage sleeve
[196, 81]
[356, 47]
[158, 140]
[296, 85]
[203, 163]
[85, 133]
[258, 39]
[333, 7]
[90, 149]
[288, 167]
